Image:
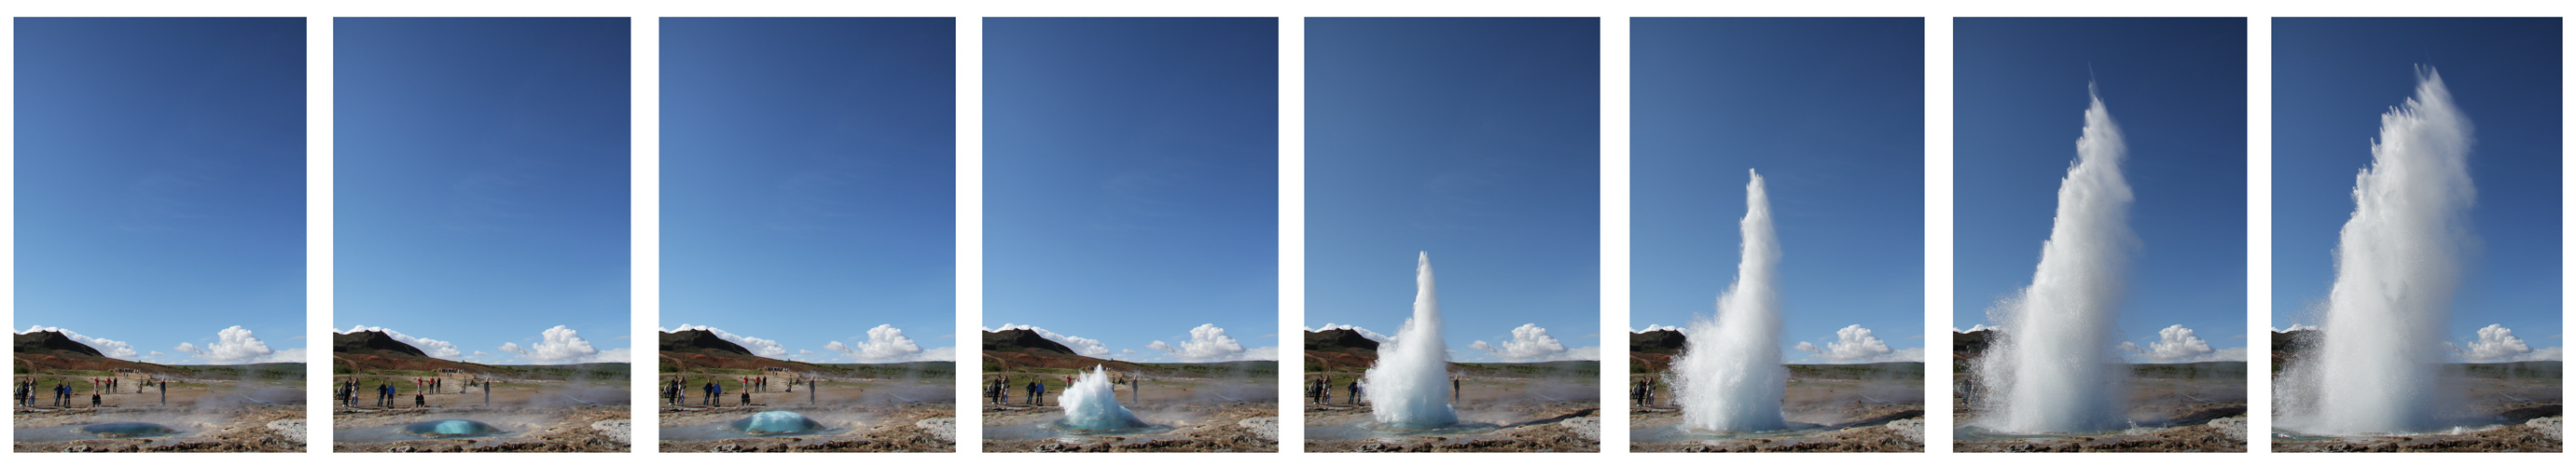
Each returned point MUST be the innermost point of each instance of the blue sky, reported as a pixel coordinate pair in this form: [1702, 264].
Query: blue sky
[160, 185]
[482, 185]
[1475, 139]
[2176, 88]
[1831, 112]
[808, 185]
[1131, 184]
[2333, 78]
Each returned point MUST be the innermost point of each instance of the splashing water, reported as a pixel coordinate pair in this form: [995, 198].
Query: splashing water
[775, 422]
[1730, 377]
[2053, 369]
[1408, 386]
[2396, 268]
[1092, 404]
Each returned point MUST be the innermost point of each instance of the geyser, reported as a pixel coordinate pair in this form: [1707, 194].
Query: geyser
[776, 423]
[451, 428]
[127, 429]
[1092, 404]
[2396, 267]
[1408, 386]
[1730, 377]
[2053, 370]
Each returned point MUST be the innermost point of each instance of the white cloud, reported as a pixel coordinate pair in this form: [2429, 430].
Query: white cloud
[1080, 345]
[2497, 344]
[435, 348]
[2236, 354]
[236, 345]
[1207, 343]
[1851, 344]
[1364, 333]
[762, 347]
[563, 345]
[887, 344]
[1654, 327]
[110, 348]
[2173, 344]
[1529, 343]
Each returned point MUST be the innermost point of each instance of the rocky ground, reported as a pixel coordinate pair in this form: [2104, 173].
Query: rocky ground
[261, 428]
[1890, 428]
[565, 428]
[924, 427]
[2219, 435]
[1543, 427]
[1201, 427]
[2522, 427]
[1853, 415]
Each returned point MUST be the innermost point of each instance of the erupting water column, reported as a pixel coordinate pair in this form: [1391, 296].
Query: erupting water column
[1408, 386]
[1092, 404]
[2396, 268]
[2054, 370]
[1730, 377]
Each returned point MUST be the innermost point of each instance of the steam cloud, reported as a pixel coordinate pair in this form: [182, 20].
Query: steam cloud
[111, 348]
[563, 345]
[1530, 343]
[435, 348]
[1080, 345]
[236, 345]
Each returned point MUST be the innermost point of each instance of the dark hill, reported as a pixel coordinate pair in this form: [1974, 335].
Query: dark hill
[1015, 349]
[690, 350]
[51, 342]
[374, 343]
[1651, 352]
[1339, 350]
[371, 350]
[52, 350]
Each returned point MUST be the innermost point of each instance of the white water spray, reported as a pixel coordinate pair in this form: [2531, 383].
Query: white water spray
[2053, 369]
[1408, 386]
[1730, 377]
[1092, 404]
[2396, 268]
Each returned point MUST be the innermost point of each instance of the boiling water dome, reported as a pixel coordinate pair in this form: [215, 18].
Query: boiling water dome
[776, 422]
[451, 428]
[127, 429]
[1092, 404]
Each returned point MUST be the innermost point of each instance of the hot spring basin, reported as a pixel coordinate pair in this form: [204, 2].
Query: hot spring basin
[127, 430]
[448, 428]
[776, 423]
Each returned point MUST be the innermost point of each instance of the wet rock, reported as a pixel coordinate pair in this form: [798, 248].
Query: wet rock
[2232, 427]
[2552, 428]
[944, 428]
[617, 430]
[1589, 428]
[1265, 427]
[1910, 429]
[292, 429]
